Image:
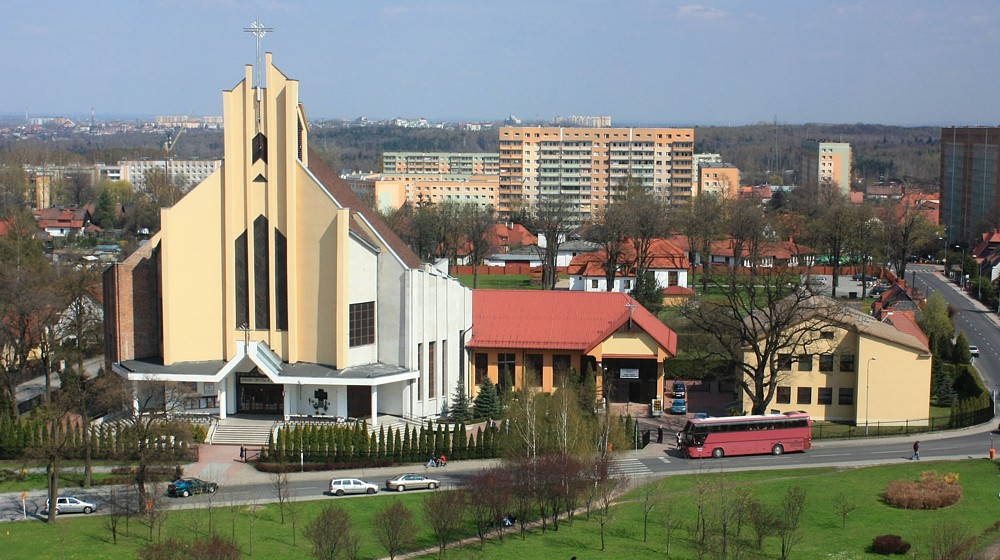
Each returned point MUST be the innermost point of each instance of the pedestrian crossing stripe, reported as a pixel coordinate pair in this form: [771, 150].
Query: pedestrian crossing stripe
[630, 466]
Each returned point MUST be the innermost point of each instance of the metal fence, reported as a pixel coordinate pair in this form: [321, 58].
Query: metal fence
[830, 430]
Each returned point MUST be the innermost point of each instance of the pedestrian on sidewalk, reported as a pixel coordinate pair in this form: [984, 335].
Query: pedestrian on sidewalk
[916, 451]
[243, 454]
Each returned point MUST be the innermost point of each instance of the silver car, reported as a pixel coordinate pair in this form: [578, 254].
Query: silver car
[342, 486]
[71, 504]
[411, 481]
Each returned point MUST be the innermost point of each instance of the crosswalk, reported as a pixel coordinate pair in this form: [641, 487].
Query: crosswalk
[630, 467]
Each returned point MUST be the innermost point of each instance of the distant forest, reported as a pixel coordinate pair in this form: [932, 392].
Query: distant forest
[763, 152]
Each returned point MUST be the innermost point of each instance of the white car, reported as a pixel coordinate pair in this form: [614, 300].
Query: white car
[71, 504]
[974, 350]
[343, 486]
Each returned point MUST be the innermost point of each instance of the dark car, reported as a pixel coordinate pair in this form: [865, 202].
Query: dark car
[859, 277]
[184, 487]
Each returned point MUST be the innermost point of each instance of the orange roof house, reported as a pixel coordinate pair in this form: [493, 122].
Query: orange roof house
[539, 337]
[669, 264]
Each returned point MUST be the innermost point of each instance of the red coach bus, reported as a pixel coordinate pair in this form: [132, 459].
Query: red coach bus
[747, 435]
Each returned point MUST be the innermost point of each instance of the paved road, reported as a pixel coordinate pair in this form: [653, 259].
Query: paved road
[980, 325]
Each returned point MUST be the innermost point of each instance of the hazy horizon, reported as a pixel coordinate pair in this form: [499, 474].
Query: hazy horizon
[643, 62]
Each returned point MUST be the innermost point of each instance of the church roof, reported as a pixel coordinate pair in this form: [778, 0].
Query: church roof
[344, 196]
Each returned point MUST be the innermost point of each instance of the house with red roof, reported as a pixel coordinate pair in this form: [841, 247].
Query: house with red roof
[537, 338]
[63, 222]
[771, 254]
[669, 265]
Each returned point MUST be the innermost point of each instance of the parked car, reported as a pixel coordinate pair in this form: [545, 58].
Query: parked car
[860, 277]
[974, 350]
[679, 389]
[411, 481]
[679, 407]
[879, 290]
[701, 415]
[71, 504]
[341, 486]
[184, 487]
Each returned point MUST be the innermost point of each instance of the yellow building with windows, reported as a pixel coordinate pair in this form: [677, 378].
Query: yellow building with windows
[854, 368]
[272, 289]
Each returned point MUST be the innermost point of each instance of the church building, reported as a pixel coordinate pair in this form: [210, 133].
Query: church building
[271, 289]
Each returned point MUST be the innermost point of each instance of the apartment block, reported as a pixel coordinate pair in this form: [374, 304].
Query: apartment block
[719, 178]
[824, 161]
[970, 189]
[582, 166]
[440, 163]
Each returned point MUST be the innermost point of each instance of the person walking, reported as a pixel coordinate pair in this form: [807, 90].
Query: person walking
[916, 451]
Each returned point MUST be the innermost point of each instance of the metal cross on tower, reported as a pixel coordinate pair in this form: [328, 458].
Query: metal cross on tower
[258, 30]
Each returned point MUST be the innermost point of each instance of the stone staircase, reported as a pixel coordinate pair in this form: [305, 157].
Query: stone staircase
[242, 431]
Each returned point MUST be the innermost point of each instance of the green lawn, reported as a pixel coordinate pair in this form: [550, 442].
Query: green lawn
[499, 281]
[823, 537]
[10, 481]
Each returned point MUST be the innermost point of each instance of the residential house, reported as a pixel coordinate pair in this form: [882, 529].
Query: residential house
[537, 338]
[63, 222]
[669, 264]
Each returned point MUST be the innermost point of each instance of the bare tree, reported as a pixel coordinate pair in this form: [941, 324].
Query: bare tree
[445, 512]
[758, 324]
[280, 487]
[608, 486]
[669, 518]
[648, 503]
[59, 427]
[394, 528]
[553, 218]
[115, 511]
[477, 223]
[703, 223]
[906, 229]
[252, 508]
[154, 510]
[844, 505]
[330, 533]
[788, 528]
[611, 234]
[763, 520]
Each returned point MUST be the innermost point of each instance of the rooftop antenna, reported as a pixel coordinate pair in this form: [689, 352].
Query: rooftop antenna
[258, 30]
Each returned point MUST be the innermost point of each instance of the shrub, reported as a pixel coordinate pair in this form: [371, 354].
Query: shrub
[890, 544]
[198, 433]
[930, 492]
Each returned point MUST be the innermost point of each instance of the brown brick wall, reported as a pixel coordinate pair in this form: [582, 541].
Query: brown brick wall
[132, 308]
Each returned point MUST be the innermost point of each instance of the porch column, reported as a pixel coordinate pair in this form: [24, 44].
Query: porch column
[135, 399]
[341, 401]
[286, 392]
[374, 421]
[220, 393]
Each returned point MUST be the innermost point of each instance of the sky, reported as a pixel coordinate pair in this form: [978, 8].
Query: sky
[899, 62]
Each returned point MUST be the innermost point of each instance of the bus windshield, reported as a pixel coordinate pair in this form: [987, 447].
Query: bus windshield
[747, 435]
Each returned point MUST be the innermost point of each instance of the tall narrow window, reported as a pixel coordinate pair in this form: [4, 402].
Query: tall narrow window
[444, 368]
[242, 282]
[361, 324]
[300, 131]
[420, 368]
[482, 367]
[259, 148]
[431, 368]
[280, 281]
[261, 275]
[506, 362]
[532, 370]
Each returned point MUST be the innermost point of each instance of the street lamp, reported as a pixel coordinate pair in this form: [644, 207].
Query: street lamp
[868, 376]
[944, 259]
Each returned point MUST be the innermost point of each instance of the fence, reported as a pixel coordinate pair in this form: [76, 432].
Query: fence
[823, 430]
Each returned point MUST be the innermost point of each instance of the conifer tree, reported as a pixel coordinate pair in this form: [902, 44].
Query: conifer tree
[487, 402]
[961, 354]
[460, 409]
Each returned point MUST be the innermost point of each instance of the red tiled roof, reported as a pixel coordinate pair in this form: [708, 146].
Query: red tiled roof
[547, 320]
[343, 194]
[665, 256]
[905, 322]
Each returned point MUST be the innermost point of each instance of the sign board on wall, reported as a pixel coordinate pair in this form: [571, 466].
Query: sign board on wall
[629, 373]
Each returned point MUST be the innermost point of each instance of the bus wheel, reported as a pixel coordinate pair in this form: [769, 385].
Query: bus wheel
[718, 453]
[777, 450]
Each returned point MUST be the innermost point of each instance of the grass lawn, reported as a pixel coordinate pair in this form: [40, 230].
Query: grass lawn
[823, 537]
[499, 281]
[68, 481]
